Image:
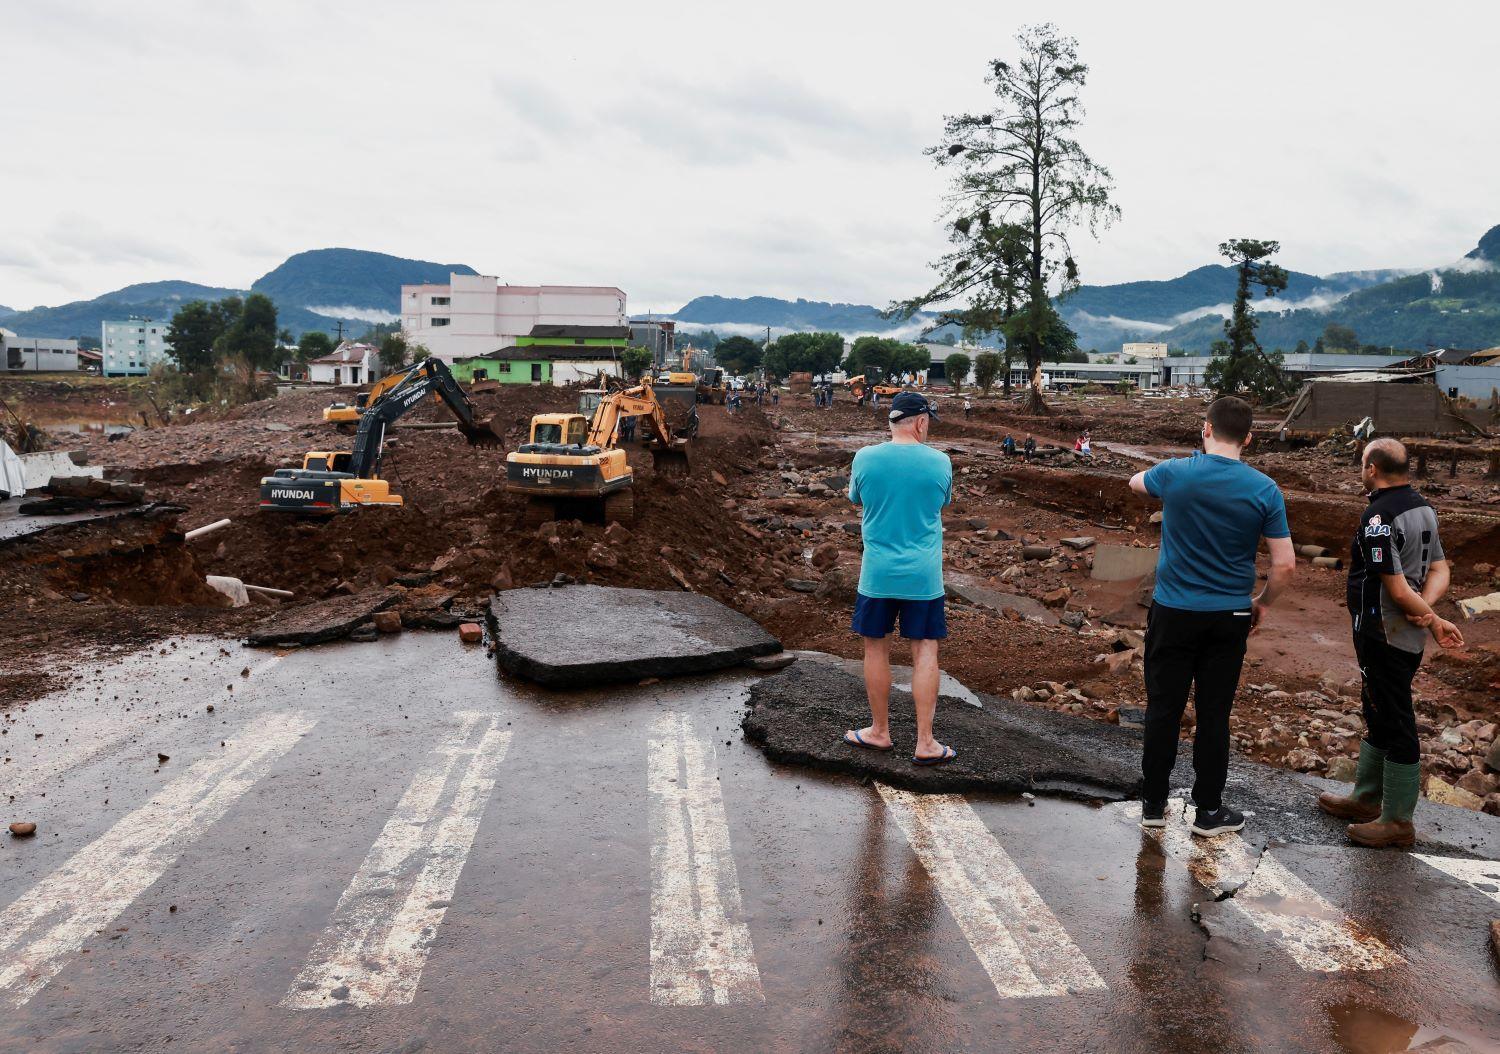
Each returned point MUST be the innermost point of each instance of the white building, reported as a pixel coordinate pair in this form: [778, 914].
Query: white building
[37, 353]
[349, 363]
[475, 315]
[1143, 351]
[132, 347]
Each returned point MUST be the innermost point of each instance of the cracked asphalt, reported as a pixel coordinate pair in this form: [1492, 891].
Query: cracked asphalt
[382, 847]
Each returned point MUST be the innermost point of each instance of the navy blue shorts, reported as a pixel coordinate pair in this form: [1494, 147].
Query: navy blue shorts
[920, 619]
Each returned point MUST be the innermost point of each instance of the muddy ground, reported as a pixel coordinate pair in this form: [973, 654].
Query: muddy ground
[761, 524]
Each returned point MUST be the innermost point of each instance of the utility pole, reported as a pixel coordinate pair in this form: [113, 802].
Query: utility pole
[340, 324]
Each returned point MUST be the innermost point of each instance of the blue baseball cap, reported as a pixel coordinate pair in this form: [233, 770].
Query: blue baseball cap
[909, 404]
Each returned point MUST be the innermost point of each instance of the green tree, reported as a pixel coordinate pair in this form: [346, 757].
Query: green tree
[739, 354]
[1245, 366]
[635, 360]
[394, 352]
[1021, 183]
[314, 345]
[957, 367]
[194, 331]
[252, 337]
[986, 366]
[815, 353]
[1338, 337]
[1301, 348]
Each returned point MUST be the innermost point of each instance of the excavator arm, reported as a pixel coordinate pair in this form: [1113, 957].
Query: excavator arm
[431, 376]
[639, 401]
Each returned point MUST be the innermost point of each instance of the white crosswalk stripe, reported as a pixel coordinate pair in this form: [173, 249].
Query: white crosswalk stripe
[42, 930]
[375, 947]
[1311, 930]
[1018, 939]
[700, 945]
[1483, 875]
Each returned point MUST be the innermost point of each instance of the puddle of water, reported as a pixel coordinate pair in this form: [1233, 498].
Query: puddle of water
[1362, 1029]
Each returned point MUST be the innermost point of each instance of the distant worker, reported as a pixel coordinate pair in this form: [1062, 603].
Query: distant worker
[1216, 509]
[775, 396]
[1008, 444]
[968, 407]
[901, 487]
[1397, 571]
[1029, 447]
[627, 429]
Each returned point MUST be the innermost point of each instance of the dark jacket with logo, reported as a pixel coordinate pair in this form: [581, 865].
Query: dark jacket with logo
[1398, 535]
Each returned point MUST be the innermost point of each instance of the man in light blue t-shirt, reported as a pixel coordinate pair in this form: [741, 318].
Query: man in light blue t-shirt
[902, 487]
[1215, 511]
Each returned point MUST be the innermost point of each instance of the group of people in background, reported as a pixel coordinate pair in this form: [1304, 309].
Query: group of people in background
[1216, 513]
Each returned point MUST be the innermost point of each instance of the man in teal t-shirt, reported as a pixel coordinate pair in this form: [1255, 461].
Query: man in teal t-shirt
[902, 487]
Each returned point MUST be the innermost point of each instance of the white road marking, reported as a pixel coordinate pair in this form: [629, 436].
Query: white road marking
[1311, 930]
[1018, 939]
[43, 929]
[700, 945]
[1483, 875]
[104, 734]
[376, 944]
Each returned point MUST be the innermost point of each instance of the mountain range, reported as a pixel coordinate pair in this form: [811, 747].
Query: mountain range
[317, 289]
[1454, 306]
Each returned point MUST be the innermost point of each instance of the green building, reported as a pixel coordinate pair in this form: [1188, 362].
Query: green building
[550, 355]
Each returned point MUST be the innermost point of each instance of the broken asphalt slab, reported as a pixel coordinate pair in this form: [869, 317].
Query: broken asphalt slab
[799, 717]
[325, 620]
[580, 635]
[977, 591]
[16, 526]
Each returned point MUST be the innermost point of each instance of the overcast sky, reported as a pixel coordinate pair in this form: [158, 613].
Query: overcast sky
[680, 149]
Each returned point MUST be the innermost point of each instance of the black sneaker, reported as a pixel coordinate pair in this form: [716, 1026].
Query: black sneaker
[1222, 820]
[1153, 814]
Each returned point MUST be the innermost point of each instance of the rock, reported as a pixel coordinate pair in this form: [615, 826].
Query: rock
[602, 557]
[839, 585]
[1130, 639]
[453, 560]
[1056, 597]
[22, 829]
[825, 556]
[503, 579]
[1073, 619]
[718, 477]
[1445, 793]
[1473, 607]
[977, 592]
[1342, 769]
[800, 585]
[1492, 757]
[1118, 661]
[1481, 783]
[1080, 543]
[771, 663]
[387, 621]
[364, 634]
[629, 634]
[1120, 563]
[616, 533]
[1036, 552]
[470, 633]
[975, 523]
[1305, 760]
[1131, 717]
[1155, 517]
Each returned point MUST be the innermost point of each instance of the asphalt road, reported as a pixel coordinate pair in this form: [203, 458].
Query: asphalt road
[382, 847]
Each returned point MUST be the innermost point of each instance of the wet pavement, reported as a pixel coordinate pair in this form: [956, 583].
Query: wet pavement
[380, 847]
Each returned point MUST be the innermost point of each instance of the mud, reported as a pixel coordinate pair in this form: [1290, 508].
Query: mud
[799, 717]
[580, 636]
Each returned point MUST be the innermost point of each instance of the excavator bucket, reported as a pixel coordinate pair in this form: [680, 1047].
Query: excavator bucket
[484, 432]
[671, 461]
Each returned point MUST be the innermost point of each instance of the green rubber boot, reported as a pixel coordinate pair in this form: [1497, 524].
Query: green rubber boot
[1403, 785]
[1363, 802]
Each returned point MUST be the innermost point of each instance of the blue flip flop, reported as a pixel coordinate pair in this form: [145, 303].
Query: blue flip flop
[857, 741]
[946, 756]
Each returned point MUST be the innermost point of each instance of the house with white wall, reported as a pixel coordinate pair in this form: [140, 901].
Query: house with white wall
[349, 363]
[37, 354]
[478, 315]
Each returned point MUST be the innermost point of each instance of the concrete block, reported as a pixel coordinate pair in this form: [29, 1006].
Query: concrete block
[1120, 563]
[41, 466]
[1482, 605]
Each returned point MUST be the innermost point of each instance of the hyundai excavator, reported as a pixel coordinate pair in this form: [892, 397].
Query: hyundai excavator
[333, 481]
[573, 463]
[861, 388]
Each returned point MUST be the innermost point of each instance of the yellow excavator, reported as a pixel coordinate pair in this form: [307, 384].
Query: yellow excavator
[346, 415]
[574, 465]
[332, 481]
[861, 388]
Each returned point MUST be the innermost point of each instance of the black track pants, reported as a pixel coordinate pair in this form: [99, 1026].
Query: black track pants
[1386, 674]
[1183, 649]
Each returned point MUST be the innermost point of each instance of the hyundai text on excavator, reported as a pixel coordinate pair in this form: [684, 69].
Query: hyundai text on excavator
[332, 481]
[574, 464]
